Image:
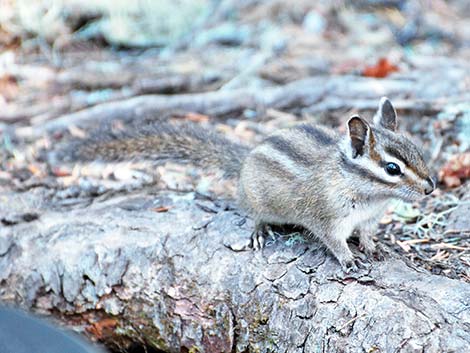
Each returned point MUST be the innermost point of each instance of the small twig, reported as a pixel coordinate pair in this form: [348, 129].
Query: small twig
[449, 246]
[351, 321]
[457, 231]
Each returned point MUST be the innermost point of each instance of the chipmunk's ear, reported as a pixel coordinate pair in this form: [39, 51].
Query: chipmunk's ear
[359, 131]
[386, 115]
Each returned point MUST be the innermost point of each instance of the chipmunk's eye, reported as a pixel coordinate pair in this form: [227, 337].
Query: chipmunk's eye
[393, 169]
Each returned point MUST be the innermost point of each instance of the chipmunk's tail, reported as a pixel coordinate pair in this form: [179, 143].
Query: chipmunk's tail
[159, 141]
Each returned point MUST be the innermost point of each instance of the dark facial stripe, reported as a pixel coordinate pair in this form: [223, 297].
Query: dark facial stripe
[395, 153]
[288, 149]
[417, 165]
[362, 172]
[317, 134]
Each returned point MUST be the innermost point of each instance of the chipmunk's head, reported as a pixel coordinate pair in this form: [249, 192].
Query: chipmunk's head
[385, 158]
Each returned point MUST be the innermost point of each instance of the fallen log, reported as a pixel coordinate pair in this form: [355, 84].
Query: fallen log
[178, 278]
[423, 92]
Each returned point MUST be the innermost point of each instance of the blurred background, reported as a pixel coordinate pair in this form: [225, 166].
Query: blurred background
[52, 48]
[67, 64]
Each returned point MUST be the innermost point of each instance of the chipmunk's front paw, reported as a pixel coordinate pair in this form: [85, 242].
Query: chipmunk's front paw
[257, 239]
[354, 264]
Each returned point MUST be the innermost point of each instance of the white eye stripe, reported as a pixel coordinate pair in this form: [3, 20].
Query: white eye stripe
[412, 175]
[380, 172]
[377, 170]
[404, 169]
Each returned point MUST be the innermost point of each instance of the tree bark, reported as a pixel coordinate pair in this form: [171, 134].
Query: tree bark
[122, 270]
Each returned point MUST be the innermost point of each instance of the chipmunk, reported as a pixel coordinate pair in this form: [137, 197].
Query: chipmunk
[306, 175]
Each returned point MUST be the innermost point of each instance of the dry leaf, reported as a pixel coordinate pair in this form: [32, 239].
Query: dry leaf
[415, 241]
[61, 172]
[383, 68]
[196, 117]
[34, 169]
[456, 170]
[8, 87]
[404, 246]
[102, 328]
[161, 209]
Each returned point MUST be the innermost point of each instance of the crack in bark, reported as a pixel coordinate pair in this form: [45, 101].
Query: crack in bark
[235, 333]
[7, 250]
[412, 307]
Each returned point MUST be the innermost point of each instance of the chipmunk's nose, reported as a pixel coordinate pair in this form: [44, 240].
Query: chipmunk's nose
[430, 186]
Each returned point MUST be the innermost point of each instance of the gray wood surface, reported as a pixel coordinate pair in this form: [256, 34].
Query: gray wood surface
[176, 281]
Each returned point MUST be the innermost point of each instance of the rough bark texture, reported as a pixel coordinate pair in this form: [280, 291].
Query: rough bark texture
[173, 281]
